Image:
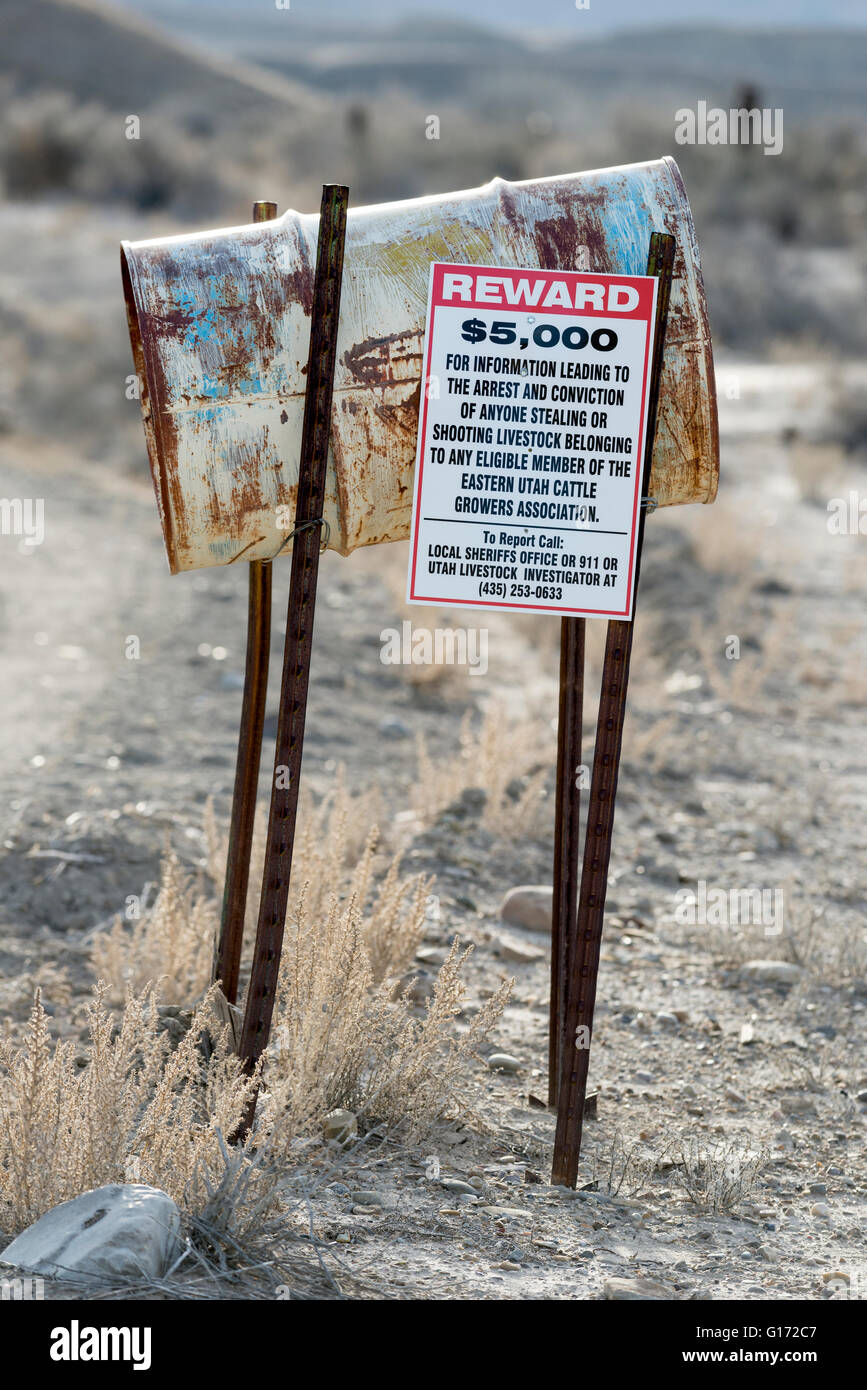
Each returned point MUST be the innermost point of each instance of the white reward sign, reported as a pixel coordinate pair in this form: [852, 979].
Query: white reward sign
[531, 440]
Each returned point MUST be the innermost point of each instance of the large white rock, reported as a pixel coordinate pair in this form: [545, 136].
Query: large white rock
[124, 1231]
[529, 906]
[772, 972]
[635, 1290]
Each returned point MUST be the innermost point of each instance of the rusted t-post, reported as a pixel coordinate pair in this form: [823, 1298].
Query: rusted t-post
[306, 545]
[582, 938]
[228, 959]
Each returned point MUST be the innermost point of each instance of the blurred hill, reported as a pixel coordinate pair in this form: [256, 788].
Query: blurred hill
[551, 16]
[783, 238]
[494, 70]
[72, 71]
[94, 50]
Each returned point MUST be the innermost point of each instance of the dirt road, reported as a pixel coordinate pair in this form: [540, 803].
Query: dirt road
[121, 694]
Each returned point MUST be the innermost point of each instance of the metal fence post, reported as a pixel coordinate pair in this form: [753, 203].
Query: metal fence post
[583, 960]
[307, 542]
[228, 959]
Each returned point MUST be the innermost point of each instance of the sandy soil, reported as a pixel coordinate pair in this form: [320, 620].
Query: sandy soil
[754, 777]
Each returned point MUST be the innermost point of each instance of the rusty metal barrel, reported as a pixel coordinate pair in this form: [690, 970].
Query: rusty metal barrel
[220, 329]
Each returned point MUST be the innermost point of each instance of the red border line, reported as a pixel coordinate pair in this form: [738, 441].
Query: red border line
[649, 323]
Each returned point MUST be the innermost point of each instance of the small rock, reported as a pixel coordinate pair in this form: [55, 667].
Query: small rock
[231, 680]
[126, 1231]
[635, 1289]
[506, 1213]
[509, 948]
[764, 840]
[817, 1189]
[432, 955]
[393, 727]
[667, 1020]
[821, 1211]
[366, 1197]
[473, 799]
[502, 1061]
[470, 803]
[798, 1105]
[647, 1078]
[747, 1034]
[529, 906]
[734, 1096]
[340, 1125]
[456, 1185]
[772, 972]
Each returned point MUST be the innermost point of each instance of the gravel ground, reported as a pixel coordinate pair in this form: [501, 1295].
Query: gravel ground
[738, 775]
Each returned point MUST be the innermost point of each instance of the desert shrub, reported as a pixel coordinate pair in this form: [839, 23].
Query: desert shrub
[507, 759]
[336, 853]
[137, 1110]
[620, 1165]
[345, 1034]
[143, 1105]
[717, 1176]
[50, 143]
[343, 1040]
[171, 942]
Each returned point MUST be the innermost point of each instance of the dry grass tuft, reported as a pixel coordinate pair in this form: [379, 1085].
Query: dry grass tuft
[330, 841]
[620, 1165]
[172, 941]
[717, 1176]
[138, 1110]
[336, 852]
[508, 760]
[152, 1104]
[343, 1040]
[393, 924]
[344, 1036]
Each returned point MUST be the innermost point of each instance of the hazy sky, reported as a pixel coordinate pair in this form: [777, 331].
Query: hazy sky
[560, 14]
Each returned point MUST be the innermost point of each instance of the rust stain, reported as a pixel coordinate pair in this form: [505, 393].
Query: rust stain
[373, 358]
[220, 325]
